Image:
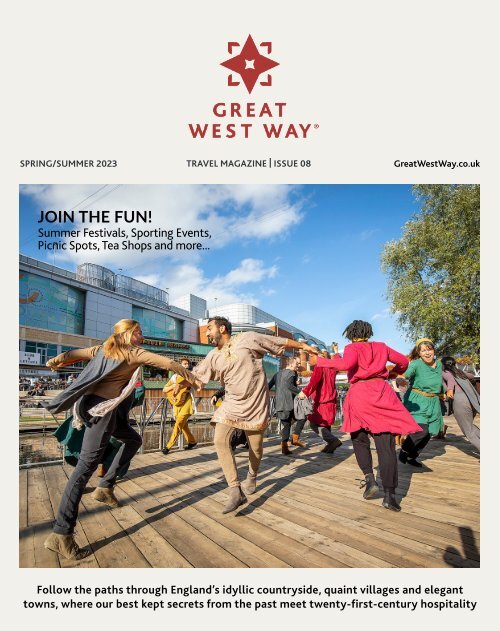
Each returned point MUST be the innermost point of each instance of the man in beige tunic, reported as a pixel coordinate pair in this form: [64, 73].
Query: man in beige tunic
[237, 363]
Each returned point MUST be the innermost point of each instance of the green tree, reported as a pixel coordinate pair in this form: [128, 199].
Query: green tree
[433, 270]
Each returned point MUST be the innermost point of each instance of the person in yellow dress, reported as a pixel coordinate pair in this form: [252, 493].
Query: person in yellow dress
[183, 409]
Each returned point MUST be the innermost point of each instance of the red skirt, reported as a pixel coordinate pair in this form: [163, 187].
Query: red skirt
[374, 406]
[323, 414]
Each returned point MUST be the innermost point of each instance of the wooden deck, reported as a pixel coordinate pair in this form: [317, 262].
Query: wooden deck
[308, 512]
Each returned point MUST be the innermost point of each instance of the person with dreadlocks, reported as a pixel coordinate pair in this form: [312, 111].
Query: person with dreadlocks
[466, 402]
[371, 407]
[422, 399]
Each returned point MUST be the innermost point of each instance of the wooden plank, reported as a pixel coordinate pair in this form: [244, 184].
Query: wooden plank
[23, 498]
[111, 545]
[335, 550]
[216, 528]
[193, 545]
[39, 507]
[157, 551]
[56, 478]
[26, 547]
[396, 548]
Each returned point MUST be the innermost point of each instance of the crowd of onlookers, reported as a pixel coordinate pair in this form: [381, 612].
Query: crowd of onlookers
[37, 386]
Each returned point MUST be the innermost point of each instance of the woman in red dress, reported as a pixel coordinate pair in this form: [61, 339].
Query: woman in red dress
[321, 388]
[372, 407]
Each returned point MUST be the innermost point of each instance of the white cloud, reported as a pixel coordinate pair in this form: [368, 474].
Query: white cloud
[381, 316]
[368, 234]
[188, 278]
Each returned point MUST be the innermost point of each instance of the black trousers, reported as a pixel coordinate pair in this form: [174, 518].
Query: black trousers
[386, 452]
[286, 426]
[95, 440]
[414, 443]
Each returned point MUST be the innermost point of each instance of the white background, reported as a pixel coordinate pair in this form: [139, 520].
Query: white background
[121, 80]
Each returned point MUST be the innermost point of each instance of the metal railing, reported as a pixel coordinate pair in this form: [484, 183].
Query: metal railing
[153, 420]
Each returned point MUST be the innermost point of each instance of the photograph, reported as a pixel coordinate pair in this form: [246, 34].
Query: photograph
[249, 376]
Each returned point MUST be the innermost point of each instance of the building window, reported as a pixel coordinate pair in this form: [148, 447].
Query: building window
[156, 324]
[48, 304]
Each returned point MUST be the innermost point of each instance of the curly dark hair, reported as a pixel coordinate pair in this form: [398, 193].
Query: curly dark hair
[358, 329]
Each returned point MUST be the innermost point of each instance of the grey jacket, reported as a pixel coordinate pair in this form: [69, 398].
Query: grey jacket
[285, 382]
[302, 408]
[96, 370]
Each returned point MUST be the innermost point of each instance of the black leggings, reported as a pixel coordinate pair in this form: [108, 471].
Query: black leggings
[386, 451]
[414, 443]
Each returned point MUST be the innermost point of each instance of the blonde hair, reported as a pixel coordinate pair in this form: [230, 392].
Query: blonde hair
[117, 343]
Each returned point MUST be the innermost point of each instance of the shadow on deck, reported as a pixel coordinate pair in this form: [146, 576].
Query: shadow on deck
[308, 512]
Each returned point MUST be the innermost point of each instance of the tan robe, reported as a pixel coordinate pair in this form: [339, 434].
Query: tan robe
[238, 366]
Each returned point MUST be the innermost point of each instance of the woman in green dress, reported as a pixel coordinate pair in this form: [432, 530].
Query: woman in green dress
[422, 399]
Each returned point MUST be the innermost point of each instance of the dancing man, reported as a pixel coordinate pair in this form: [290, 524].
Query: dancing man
[371, 407]
[101, 398]
[237, 363]
[178, 390]
[285, 382]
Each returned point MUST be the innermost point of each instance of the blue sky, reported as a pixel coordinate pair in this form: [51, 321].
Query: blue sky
[308, 254]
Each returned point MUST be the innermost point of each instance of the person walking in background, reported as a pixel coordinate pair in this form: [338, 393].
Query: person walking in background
[285, 382]
[422, 399]
[371, 407]
[179, 393]
[101, 399]
[465, 397]
[236, 361]
[321, 388]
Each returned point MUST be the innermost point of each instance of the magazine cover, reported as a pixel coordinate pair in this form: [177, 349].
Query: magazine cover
[248, 364]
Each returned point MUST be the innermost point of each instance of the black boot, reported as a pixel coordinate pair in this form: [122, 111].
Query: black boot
[370, 485]
[236, 498]
[165, 451]
[390, 502]
[403, 456]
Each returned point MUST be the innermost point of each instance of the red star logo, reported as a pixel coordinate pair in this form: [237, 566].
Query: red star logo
[249, 64]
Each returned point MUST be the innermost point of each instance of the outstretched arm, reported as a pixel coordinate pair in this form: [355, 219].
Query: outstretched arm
[71, 357]
[347, 362]
[400, 361]
[314, 382]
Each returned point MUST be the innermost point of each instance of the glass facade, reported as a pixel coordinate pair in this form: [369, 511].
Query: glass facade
[48, 304]
[157, 324]
[47, 351]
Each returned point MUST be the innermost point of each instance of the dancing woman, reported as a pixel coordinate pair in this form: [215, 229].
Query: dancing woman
[321, 388]
[466, 401]
[422, 399]
[371, 407]
[100, 396]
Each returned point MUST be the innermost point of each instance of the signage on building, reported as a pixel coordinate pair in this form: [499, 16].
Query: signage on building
[177, 345]
[33, 359]
[154, 342]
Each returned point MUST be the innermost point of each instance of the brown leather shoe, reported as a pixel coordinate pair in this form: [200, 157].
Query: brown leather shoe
[298, 443]
[106, 496]
[101, 471]
[66, 546]
[284, 448]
